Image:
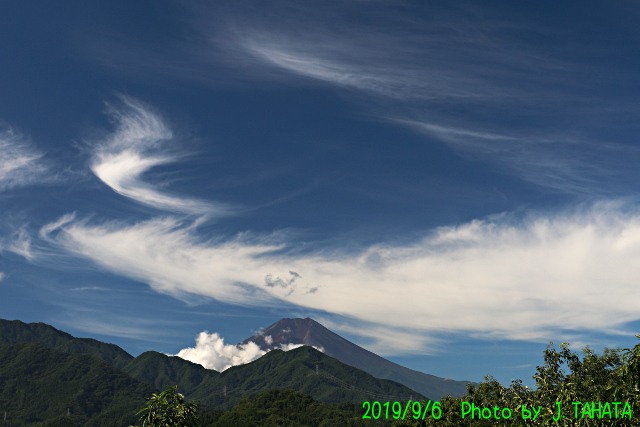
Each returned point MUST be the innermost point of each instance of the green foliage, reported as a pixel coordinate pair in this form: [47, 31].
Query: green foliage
[611, 377]
[289, 408]
[160, 370]
[167, 409]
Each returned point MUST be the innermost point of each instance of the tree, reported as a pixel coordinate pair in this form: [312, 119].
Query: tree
[167, 409]
[595, 390]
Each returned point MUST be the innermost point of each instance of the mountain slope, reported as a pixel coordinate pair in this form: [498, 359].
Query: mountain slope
[39, 384]
[309, 332]
[160, 370]
[17, 332]
[277, 369]
[295, 369]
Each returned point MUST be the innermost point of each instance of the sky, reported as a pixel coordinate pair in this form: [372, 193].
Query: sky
[451, 186]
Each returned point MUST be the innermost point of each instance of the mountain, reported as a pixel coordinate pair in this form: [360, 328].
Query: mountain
[160, 370]
[303, 369]
[41, 385]
[17, 332]
[309, 332]
[296, 369]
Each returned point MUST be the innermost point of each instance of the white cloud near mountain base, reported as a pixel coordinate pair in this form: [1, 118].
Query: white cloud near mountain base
[212, 353]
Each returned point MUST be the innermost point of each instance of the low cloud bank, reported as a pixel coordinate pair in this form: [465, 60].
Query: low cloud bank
[212, 353]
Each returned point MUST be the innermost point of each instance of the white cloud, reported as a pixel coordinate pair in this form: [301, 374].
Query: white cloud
[501, 277]
[454, 54]
[1, 275]
[17, 241]
[170, 258]
[212, 353]
[20, 243]
[90, 288]
[142, 141]
[20, 163]
[291, 346]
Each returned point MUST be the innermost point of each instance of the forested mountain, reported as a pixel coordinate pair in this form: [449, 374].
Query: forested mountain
[17, 332]
[188, 375]
[296, 369]
[43, 375]
[40, 384]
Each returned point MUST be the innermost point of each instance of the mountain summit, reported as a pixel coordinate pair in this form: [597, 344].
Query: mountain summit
[309, 332]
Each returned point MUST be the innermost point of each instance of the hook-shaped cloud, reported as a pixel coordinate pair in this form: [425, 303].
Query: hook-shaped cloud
[137, 145]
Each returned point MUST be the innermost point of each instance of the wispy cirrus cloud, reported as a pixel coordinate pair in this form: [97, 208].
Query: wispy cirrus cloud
[15, 237]
[19, 243]
[140, 142]
[513, 72]
[450, 63]
[504, 277]
[563, 163]
[477, 69]
[20, 163]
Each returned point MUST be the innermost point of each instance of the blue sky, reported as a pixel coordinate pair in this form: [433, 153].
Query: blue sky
[451, 186]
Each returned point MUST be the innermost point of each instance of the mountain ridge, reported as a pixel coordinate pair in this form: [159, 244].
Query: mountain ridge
[18, 332]
[302, 369]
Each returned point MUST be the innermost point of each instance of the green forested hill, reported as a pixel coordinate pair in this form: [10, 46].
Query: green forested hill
[160, 370]
[17, 332]
[44, 371]
[295, 369]
[39, 383]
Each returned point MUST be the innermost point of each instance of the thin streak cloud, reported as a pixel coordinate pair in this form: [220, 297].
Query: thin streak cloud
[460, 54]
[561, 163]
[422, 66]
